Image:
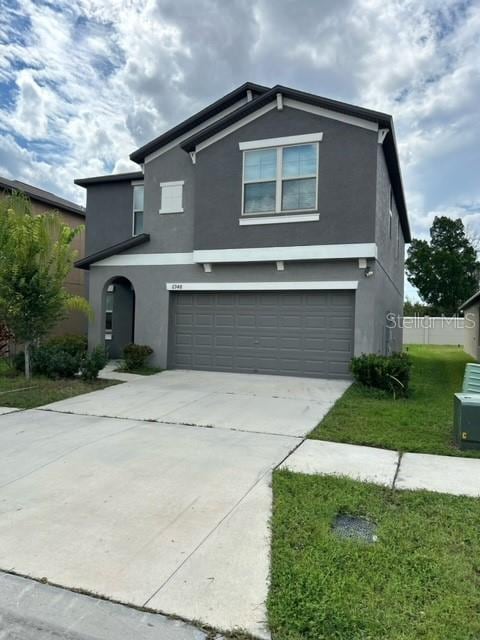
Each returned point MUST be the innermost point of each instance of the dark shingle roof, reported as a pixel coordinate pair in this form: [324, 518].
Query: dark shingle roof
[114, 177]
[201, 116]
[41, 196]
[85, 263]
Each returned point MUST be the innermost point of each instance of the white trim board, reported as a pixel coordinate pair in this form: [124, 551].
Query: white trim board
[294, 104]
[173, 183]
[145, 259]
[236, 125]
[277, 219]
[194, 130]
[333, 115]
[280, 142]
[272, 254]
[262, 254]
[263, 286]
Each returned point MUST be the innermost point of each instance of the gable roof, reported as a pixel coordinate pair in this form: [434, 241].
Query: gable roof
[470, 302]
[41, 196]
[84, 263]
[198, 118]
[383, 120]
[114, 177]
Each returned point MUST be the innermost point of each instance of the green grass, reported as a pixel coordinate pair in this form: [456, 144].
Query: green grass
[422, 422]
[26, 394]
[142, 371]
[421, 580]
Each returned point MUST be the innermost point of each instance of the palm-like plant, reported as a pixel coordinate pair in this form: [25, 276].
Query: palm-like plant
[36, 255]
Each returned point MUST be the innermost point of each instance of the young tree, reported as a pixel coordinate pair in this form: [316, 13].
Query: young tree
[35, 257]
[445, 270]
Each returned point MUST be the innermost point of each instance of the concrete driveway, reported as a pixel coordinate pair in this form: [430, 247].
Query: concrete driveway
[264, 404]
[164, 514]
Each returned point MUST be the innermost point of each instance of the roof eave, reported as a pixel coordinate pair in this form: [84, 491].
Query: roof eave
[470, 302]
[383, 119]
[63, 206]
[84, 263]
[140, 154]
[114, 177]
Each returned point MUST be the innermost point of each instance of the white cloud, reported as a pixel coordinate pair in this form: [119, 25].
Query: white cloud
[88, 82]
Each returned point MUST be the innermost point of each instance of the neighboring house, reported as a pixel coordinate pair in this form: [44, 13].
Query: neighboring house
[73, 215]
[471, 314]
[264, 234]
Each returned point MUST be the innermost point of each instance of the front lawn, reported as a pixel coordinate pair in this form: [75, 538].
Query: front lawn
[420, 580]
[26, 394]
[423, 422]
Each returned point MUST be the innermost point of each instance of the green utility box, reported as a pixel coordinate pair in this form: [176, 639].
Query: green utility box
[466, 416]
[471, 379]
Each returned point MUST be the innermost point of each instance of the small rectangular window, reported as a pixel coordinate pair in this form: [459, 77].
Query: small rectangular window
[171, 197]
[137, 209]
[280, 179]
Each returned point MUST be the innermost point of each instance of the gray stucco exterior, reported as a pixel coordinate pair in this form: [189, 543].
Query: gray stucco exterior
[353, 206]
[346, 186]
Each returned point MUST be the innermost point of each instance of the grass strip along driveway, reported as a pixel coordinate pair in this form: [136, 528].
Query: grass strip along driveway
[423, 422]
[421, 579]
[26, 394]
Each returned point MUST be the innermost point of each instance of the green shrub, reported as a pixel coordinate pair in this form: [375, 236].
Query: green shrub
[390, 373]
[92, 363]
[54, 362]
[71, 343]
[136, 355]
[7, 368]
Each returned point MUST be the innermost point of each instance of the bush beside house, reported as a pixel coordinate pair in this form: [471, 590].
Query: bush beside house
[389, 373]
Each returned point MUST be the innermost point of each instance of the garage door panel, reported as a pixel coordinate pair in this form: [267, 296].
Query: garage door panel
[267, 321]
[224, 320]
[226, 340]
[291, 333]
[203, 340]
[204, 319]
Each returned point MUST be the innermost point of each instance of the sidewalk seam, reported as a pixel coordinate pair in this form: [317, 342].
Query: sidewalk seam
[397, 470]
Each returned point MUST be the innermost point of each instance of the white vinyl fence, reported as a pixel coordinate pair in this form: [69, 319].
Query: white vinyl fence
[427, 330]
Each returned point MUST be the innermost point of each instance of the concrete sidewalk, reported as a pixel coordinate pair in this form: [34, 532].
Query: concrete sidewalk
[443, 474]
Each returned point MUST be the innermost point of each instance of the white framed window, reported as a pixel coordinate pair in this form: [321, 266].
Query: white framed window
[137, 224]
[280, 179]
[109, 312]
[171, 197]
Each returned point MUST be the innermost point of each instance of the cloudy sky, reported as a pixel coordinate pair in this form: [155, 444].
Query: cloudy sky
[85, 82]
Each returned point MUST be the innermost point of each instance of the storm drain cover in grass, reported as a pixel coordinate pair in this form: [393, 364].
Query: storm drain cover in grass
[355, 528]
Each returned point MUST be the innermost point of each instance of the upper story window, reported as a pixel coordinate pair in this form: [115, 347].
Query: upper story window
[281, 178]
[138, 209]
[171, 197]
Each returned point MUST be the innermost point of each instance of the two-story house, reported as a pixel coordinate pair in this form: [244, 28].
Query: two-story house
[264, 234]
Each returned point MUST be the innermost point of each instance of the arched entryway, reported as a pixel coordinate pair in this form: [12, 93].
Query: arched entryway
[119, 321]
